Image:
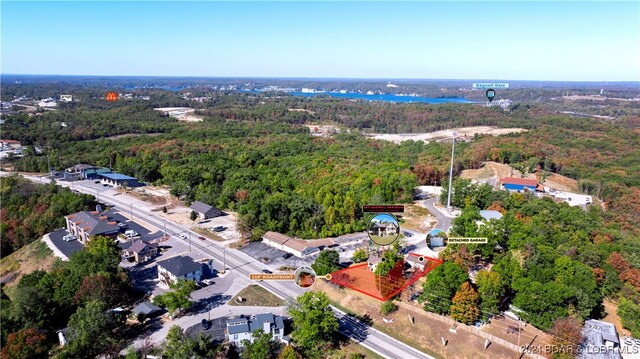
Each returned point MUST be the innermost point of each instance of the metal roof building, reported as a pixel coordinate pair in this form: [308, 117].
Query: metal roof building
[204, 210]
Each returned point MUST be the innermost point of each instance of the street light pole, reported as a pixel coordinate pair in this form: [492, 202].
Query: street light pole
[224, 260]
[189, 233]
[453, 144]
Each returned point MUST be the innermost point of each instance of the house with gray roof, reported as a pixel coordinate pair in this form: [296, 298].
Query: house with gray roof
[140, 251]
[204, 210]
[87, 224]
[242, 328]
[180, 267]
[599, 341]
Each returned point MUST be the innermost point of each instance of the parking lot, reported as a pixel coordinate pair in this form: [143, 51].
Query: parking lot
[273, 257]
[67, 248]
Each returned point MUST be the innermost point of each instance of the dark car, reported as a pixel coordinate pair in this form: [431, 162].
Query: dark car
[111, 219]
[96, 182]
[201, 238]
[105, 185]
[219, 228]
[408, 234]
[205, 324]
[266, 271]
[287, 255]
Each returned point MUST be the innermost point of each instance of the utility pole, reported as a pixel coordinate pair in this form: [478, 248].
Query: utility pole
[131, 206]
[224, 260]
[453, 144]
[519, 350]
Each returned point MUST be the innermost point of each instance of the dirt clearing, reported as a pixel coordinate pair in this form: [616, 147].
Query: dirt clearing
[462, 133]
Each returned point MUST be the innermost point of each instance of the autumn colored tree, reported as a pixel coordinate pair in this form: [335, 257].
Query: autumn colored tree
[288, 353]
[618, 262]
[26, 343]
[567, 335]
[101, 287]
[631, 276]
[464, 307]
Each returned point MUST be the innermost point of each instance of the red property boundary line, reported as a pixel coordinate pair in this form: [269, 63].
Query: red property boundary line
[405, 286]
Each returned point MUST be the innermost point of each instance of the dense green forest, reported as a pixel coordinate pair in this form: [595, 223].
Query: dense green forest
[77, 294]
[540, 249]
[29, 210]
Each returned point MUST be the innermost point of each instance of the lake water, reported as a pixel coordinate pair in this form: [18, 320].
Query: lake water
[385, 97]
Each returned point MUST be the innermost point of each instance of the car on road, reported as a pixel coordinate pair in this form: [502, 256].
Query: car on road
[183, 236]
[218, 228]
[408, 234]
[287, 255]
[202, 238]
[96, 182]
[266, 271]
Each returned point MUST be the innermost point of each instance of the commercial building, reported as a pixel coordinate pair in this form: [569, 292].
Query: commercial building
[600, 341]
[520, 184]
[204, 210]
[298, 247]
[119, 180]
[242, 328]
[87, 224]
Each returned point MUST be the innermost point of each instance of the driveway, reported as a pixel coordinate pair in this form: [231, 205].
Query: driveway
[444, 219]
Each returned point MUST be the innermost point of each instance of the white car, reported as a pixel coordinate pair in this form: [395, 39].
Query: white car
[69, 238]
[183, 236]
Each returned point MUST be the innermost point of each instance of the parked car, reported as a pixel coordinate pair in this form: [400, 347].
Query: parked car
[105, 185]
[96, 182]
[123, 225]
[266, 271]
[208, 281]
[287, 255]
[205, 324]
[219, 228]
[202, 284]
[69, 238]
[131, 233]
[202, 238]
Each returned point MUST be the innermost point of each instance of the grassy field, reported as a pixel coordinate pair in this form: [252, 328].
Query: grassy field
[349, 349]
[255, 295]
[32, 257]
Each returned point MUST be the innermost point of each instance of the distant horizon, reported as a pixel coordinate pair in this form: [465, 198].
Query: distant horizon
[384, 79]
[521, 41]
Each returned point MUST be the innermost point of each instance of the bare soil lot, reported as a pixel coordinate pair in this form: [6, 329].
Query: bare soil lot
[424, 334]
[464, 133]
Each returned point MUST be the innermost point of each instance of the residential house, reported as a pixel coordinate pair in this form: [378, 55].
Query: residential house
[298, 247]
[141, 251]
[487, 216]
[146, 310]
[172, 269]
[10, 144]
[414, 260]
[382, 229]
[204, 210]
[372, 261]
[87, 224]
[600, 341]
[242, 328]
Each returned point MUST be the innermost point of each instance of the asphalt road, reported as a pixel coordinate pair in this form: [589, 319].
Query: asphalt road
[366, 336]
[444, 221]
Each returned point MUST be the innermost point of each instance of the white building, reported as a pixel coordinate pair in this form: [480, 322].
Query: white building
[66, 98]
[240, 329]
[47, 102]
[298, 247]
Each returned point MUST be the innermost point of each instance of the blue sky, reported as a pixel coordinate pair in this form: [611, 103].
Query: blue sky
[564, 41]
[384, 218]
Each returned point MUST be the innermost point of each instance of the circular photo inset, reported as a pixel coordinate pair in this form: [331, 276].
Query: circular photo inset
[305, 277]
[437, 238]
[383, 229]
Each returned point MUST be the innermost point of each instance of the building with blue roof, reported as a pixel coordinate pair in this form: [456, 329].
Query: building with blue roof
[119, 180]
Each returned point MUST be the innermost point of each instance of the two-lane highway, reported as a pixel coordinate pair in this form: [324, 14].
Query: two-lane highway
[243, 264]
